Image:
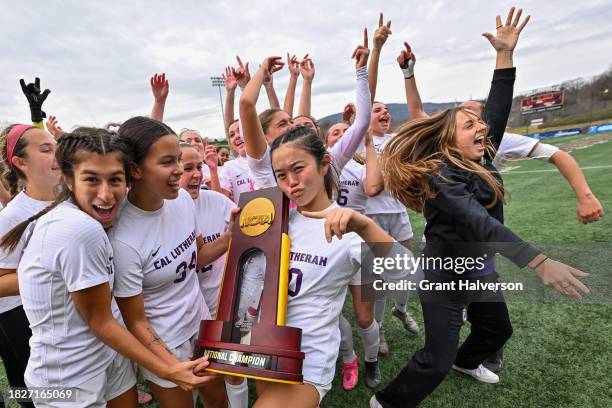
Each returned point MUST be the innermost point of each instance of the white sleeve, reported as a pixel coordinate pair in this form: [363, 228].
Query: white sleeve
[225, 178]
[83, 261]
[543, 151]
[344, 150]
[354, 252]
[128, 270]
[261, 170]
[10, 260]
[515, 146]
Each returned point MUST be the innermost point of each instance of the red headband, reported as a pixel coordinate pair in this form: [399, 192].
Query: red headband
[12, 138]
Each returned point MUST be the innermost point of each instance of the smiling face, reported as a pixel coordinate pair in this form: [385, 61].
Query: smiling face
[279, 124]
[335, 133]
[191, 179]
[380, 120]
[223, 155]
[160, 172]
[38, 163]
[469, 136]
[235, 139]
[193, 138]
[299, 176]
[99, 185]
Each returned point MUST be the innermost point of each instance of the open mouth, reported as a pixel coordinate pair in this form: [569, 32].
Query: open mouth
[104, 212]
[384, 121]
[193, 187]
[174, 185]
[479, 141]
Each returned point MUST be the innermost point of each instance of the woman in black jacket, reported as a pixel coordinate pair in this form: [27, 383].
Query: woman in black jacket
[441, 166]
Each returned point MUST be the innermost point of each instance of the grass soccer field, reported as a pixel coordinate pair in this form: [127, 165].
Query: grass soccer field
[561, 352]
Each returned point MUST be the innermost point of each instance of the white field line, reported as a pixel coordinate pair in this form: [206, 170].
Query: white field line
[555, 170]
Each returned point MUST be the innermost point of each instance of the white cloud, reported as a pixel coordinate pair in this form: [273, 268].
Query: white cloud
[97, 57]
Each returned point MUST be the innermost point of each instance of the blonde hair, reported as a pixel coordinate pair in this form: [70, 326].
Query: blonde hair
[419, 151]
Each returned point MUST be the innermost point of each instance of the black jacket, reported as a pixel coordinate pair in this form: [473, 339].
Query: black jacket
[457, 215]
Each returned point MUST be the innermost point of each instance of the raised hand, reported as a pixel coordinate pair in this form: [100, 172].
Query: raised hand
[211, 159]
[362, 52]
[242, 74]
[382, 32]
[348, 113]
[35, 98]
[406, 60]
[269, 66]
[229, 79]
[507, 34]
[307, 68]
[53, 127]
[562, 277]
[160, 87]
[293, 65]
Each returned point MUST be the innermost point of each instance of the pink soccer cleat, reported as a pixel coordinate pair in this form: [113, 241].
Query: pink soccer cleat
[350, 374]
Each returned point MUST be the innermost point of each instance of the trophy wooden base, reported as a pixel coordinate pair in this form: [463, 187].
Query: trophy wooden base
[271, 356]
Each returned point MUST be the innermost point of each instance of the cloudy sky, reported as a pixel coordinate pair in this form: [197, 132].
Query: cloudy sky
[97, 57]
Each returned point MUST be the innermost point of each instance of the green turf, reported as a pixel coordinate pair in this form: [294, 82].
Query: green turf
[561, 352]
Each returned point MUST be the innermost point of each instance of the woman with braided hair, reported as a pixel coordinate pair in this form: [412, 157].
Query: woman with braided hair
[66, 278]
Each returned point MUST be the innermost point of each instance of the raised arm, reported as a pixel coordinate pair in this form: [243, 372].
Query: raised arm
[307, 70]
[253, 134]
[294, 72]
[271, 93]
[160, 87]
[499, 102]
[230, 92]
[380, 36]
[35, 100]
[344, 150]
[54, 128]
[212, 161]
[407, 60]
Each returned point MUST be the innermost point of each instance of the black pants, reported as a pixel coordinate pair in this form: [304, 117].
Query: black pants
[490, 329]
[15, 335]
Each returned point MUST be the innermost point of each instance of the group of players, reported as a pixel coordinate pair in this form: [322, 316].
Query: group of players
[113, 242]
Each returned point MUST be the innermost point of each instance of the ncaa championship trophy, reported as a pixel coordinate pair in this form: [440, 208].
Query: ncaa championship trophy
[249, 338]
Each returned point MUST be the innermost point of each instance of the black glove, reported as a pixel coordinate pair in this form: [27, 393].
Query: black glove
[35, 98]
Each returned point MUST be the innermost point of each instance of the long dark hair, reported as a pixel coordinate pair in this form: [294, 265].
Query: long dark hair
[69, 145]
[307, 140]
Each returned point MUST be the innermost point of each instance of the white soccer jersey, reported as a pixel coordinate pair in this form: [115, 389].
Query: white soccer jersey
[351, 193]
[19, 209]
[156, 255]
[213, 213]
[235, 177]
[513, 146]
[383, 203]
[67, 251]
[319, 275]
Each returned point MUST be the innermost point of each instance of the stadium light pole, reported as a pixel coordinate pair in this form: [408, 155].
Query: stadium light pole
[217, 82]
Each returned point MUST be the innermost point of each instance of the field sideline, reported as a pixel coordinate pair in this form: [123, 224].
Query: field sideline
[561, 352]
